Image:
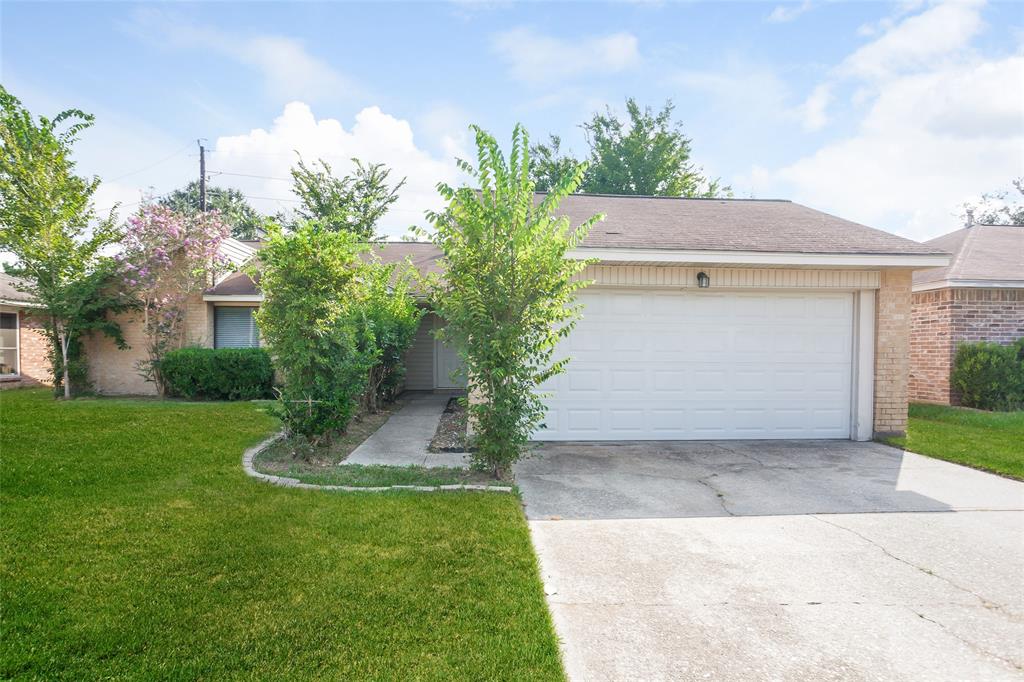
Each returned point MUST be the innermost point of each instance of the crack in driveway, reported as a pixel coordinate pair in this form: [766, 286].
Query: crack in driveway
[987, 603]
[974, 646]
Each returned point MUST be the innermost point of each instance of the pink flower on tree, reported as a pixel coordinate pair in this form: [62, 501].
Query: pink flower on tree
[169, 257]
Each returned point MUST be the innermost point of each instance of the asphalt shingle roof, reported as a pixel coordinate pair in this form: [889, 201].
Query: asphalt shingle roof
[728, 225]
[980, 252]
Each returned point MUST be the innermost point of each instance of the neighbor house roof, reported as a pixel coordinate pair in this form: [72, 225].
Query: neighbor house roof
[760, 225]
[982, 254]
[11, 293]
[423, 256]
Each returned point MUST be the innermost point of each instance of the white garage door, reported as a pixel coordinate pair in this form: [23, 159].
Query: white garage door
[702, 365]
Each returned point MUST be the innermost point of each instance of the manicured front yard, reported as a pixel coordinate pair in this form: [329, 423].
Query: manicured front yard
[134, 547]
[993, 441]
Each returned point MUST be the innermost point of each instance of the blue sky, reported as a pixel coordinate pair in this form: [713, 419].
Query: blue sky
[887, 113]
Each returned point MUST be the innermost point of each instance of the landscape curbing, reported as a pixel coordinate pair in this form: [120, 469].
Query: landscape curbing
[249, 457]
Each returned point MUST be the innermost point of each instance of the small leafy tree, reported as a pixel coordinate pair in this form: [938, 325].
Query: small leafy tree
[311, 282]
[48, 222]
[169, 257]
[245, 222]
[648, 154]
[391, 317]
[353, 203]
[1004, 207]
[508, 291]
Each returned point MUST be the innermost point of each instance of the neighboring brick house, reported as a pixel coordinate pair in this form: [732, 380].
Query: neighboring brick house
[979, 296]
[24, 355]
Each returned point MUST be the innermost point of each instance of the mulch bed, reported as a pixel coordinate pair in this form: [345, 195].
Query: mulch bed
[451, 430]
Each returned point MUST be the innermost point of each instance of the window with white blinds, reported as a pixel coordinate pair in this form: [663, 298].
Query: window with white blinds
[234, 327]
[8, 343]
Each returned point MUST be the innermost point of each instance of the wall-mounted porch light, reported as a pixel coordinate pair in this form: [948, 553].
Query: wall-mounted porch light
[703, 281]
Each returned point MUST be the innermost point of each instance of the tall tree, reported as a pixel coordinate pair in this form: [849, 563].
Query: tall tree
[508, 293]
[548, 164]
[245, 222]
[48, 222]
[1004, 207]
[647, 154]
[353, 203]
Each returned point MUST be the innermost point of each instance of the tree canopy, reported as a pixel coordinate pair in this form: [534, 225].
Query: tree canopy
[47, 220]
[352, 203]
[646, 154]
[245, 221]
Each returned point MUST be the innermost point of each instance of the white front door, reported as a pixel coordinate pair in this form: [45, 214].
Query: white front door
[696, 365]
[447, 364]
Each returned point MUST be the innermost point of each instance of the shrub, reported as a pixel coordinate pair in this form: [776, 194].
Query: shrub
[390, 316]
[311, 281]
[218, 373]
[508, 292]
[989, 376]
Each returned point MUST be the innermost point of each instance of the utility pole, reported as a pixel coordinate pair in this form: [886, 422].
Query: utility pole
[202, 176]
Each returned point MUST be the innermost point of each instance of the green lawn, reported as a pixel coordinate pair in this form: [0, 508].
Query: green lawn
[134, 547]
[993, 441]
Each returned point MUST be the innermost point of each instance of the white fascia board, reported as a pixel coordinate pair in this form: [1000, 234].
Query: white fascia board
[762, 258]
[20, 304]
[971, 284]
[227, 298]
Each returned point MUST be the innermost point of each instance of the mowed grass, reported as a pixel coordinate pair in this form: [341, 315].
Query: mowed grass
[992, 441]
[134, 547]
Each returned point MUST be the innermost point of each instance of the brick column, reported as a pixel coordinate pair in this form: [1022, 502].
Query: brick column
[931, 345]
[892, 352]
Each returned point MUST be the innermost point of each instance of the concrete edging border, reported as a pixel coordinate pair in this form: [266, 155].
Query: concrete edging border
[249, 456]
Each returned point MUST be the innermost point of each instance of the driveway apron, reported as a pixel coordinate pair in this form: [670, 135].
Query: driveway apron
[780, 560]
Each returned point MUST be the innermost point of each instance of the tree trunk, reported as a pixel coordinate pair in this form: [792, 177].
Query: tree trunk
[64, 363]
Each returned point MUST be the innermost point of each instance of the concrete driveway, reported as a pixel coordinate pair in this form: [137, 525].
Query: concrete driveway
[779, 560]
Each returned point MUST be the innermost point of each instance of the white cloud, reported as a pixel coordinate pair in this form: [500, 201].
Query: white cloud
[942, 125]
[288, 69]
[813, 112]
[788, 12]
[917, 42]
[536, 58]
[375, 137]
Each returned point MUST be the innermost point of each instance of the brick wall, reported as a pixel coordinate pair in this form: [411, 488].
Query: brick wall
[33, 353]
[115, 372]
[944, 318]
[931, 345]
[892, 352]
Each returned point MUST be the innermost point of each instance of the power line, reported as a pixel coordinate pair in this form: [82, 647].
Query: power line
[249, 175]
[152, 165]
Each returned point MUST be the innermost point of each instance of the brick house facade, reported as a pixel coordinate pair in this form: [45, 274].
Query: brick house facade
[978, 297]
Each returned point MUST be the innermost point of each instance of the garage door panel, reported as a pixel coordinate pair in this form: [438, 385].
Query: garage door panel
[685, 365]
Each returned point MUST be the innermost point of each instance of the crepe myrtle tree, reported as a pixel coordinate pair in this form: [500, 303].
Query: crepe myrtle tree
[167, 258]
[508, 291]
[49, 224]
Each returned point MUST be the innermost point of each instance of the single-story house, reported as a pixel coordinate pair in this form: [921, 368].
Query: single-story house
[24, 357]
[978, 296]
[707, 319]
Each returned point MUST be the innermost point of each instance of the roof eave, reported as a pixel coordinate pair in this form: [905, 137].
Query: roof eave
[970, 284]
[680, 256]
[235, 298]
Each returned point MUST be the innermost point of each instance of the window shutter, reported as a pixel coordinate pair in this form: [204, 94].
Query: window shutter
[234, 328]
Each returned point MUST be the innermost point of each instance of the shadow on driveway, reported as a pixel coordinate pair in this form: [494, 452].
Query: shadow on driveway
[685, 479]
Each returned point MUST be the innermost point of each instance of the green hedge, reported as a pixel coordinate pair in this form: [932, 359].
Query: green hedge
[989, 376]
[218, 374]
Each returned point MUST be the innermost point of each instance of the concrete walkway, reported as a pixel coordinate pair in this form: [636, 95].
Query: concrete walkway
[404, 438]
